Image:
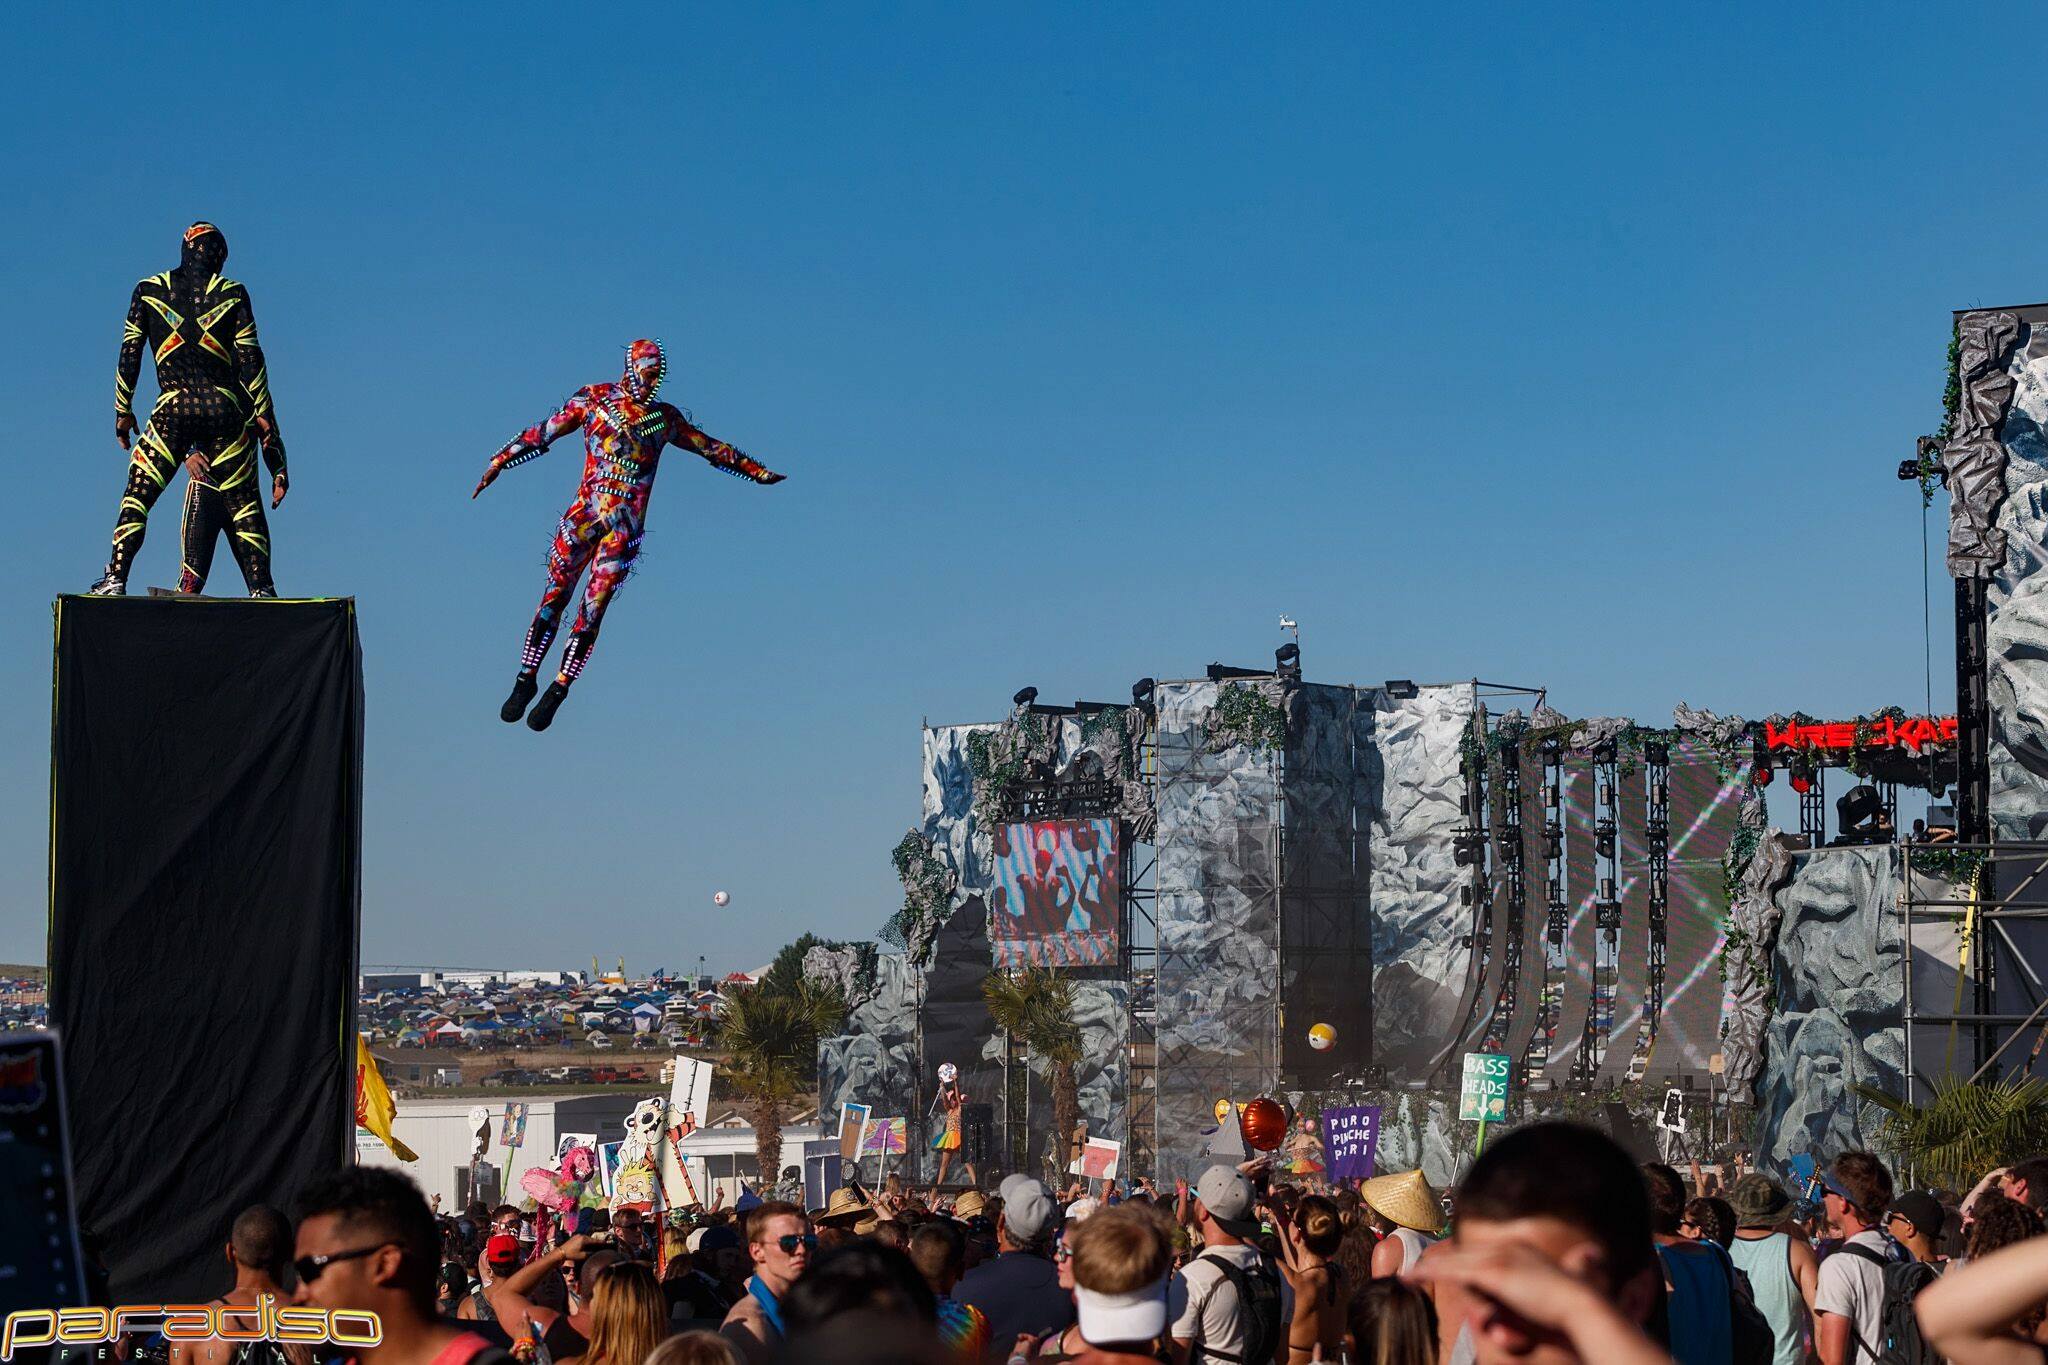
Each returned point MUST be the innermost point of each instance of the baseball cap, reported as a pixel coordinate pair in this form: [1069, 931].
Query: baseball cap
[1116, 1318]
[1027, 1208]
[1227, 1195]
[502, 1249]
[1922, 1210]
[717, 1237]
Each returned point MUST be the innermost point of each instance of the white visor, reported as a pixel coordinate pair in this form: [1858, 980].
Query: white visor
[1110, 1319]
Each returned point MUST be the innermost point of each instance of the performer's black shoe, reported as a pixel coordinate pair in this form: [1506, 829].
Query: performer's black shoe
[523, 688]
[109, 585]
[543, 713]
[270, 593]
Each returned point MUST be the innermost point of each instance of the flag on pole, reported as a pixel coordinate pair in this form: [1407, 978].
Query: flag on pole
[374, 1109]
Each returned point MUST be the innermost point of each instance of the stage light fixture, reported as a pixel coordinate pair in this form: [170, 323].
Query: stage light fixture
[1606, 795]
[1761, 776]
[1287, 662]
[1465, 894]
[1025, 697]
[1603, 838]
[1656, 753]
[1603, 752]
[1801, 783]
[1607, 889]
[1403, 689]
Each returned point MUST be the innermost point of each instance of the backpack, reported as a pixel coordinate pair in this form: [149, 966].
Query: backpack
[1258, 1310]
[1903, 1281]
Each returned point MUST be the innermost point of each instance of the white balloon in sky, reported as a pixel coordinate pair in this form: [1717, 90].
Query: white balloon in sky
[720, 898]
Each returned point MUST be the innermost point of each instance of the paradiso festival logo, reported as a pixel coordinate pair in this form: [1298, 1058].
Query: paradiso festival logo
[32, 1327]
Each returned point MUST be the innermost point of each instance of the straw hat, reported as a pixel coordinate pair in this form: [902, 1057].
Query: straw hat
[844, 1204]
[969, 1204]
[1406, 1199]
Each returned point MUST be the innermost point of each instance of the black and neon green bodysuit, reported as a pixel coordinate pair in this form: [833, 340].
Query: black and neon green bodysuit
[213, 401]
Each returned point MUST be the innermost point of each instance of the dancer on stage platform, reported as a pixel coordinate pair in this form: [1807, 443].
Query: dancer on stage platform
[213, 405]
[624, 431]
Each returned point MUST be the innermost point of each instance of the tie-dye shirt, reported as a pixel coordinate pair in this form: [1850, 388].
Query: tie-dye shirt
[963, 1328]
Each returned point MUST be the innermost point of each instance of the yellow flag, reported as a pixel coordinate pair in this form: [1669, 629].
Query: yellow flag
[374, 1109]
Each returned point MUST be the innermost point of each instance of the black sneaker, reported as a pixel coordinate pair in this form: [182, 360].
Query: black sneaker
[523, 688]
[543, 713]
[108, 586]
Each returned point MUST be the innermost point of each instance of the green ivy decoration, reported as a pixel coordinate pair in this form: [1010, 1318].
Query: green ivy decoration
[1248, 716]
[1955, 864]
[927, 896]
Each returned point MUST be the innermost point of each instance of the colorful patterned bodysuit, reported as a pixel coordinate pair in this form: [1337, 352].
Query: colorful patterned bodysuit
[624, 431]
[212, 389]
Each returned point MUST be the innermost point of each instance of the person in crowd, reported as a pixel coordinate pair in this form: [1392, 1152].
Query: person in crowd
[1973, 1314]
[1225, 1303]
[1914, 1221]
[367, 1243]
[1390, 1322]
[2026, 1183]
[1122, 1262]
[2001, 1222]
[1067, 1343]
[1308, 1243]
[1781, 1268]
[779, 1244]
[628, 1316]
[862, 1280]
[704, 1284]
[1019, 1290]
[696, 1348]
[1698, 1281]
[1407, 1214]
[258, 1251]
[1708, 1218]
[454, 1289]
[571, 1269]
[1550, 1260]
[939, 1251]
[500, 1259]
[1848, 1298]
[630, 1236]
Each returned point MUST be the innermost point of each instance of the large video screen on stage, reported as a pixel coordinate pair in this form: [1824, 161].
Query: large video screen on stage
[1056, 894]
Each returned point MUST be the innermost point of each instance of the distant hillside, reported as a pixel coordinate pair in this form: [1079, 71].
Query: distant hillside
[19, 970]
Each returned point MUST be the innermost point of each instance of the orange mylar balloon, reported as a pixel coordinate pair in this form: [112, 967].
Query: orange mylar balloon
[1265, 1124]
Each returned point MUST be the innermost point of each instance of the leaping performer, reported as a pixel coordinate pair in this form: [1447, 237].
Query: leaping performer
[213, 403]
[624, 430]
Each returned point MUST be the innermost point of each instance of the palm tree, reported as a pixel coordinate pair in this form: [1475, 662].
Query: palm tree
[772, 1036]
[1968, 1128]
[1036, 1006]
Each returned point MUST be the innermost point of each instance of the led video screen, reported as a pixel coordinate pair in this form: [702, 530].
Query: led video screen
[1056, 894]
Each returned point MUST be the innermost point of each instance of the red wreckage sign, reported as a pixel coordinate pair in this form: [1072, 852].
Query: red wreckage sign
[1885, 732]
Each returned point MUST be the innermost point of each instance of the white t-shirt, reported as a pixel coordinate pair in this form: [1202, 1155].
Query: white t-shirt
[1201, 1306]
[1853, 1287]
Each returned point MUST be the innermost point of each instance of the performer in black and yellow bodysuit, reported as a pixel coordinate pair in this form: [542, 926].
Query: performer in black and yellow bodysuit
[213, 404]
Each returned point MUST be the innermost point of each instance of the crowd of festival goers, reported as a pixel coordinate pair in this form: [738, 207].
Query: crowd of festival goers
[1554, 1246]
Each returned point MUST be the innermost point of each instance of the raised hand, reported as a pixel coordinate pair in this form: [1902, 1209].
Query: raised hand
[124, 426]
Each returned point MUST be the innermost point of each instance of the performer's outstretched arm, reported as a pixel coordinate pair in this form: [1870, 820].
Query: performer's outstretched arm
[129, 368]
[717, 453]
[534, 441]
[255, 378]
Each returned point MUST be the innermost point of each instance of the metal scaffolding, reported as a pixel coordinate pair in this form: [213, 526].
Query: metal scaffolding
[1987, 936]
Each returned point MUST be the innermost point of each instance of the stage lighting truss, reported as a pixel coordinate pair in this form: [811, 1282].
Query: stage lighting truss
[1599, 1027]
[1506, 805]
[1470, 842]
[1557, 916]
[1656, 873]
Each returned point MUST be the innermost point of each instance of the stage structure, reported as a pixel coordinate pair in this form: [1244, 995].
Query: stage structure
[1217, 866]
[205, 882]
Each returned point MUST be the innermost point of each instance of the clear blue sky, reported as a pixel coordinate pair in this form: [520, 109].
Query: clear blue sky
[1572, 351]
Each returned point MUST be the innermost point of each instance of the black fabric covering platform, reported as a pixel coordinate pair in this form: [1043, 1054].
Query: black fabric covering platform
[205, 885]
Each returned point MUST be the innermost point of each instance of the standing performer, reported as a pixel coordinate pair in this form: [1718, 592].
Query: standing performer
[624, 430]
[213, 401]
[947, 1140]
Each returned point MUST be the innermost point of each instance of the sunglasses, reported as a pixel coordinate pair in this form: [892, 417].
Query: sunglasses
[790, 1242]
[310, 1268]
[1062, 1252]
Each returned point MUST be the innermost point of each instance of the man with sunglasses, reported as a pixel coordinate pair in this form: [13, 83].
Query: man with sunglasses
[780, 1243]
[367, 1243]
[1848, 1300]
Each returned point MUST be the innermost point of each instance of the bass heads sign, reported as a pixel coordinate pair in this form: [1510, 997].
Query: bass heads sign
[1913, 733]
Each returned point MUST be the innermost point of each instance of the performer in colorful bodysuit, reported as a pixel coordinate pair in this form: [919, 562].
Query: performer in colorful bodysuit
[624, 430]
[213, 403]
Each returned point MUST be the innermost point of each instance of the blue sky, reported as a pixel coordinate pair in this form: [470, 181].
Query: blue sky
[1560, 345]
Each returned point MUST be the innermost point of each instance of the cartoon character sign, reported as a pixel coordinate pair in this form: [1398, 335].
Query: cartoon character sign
[637, 1182]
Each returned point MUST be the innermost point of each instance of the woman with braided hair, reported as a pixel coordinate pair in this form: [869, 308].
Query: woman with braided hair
[624, 431]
